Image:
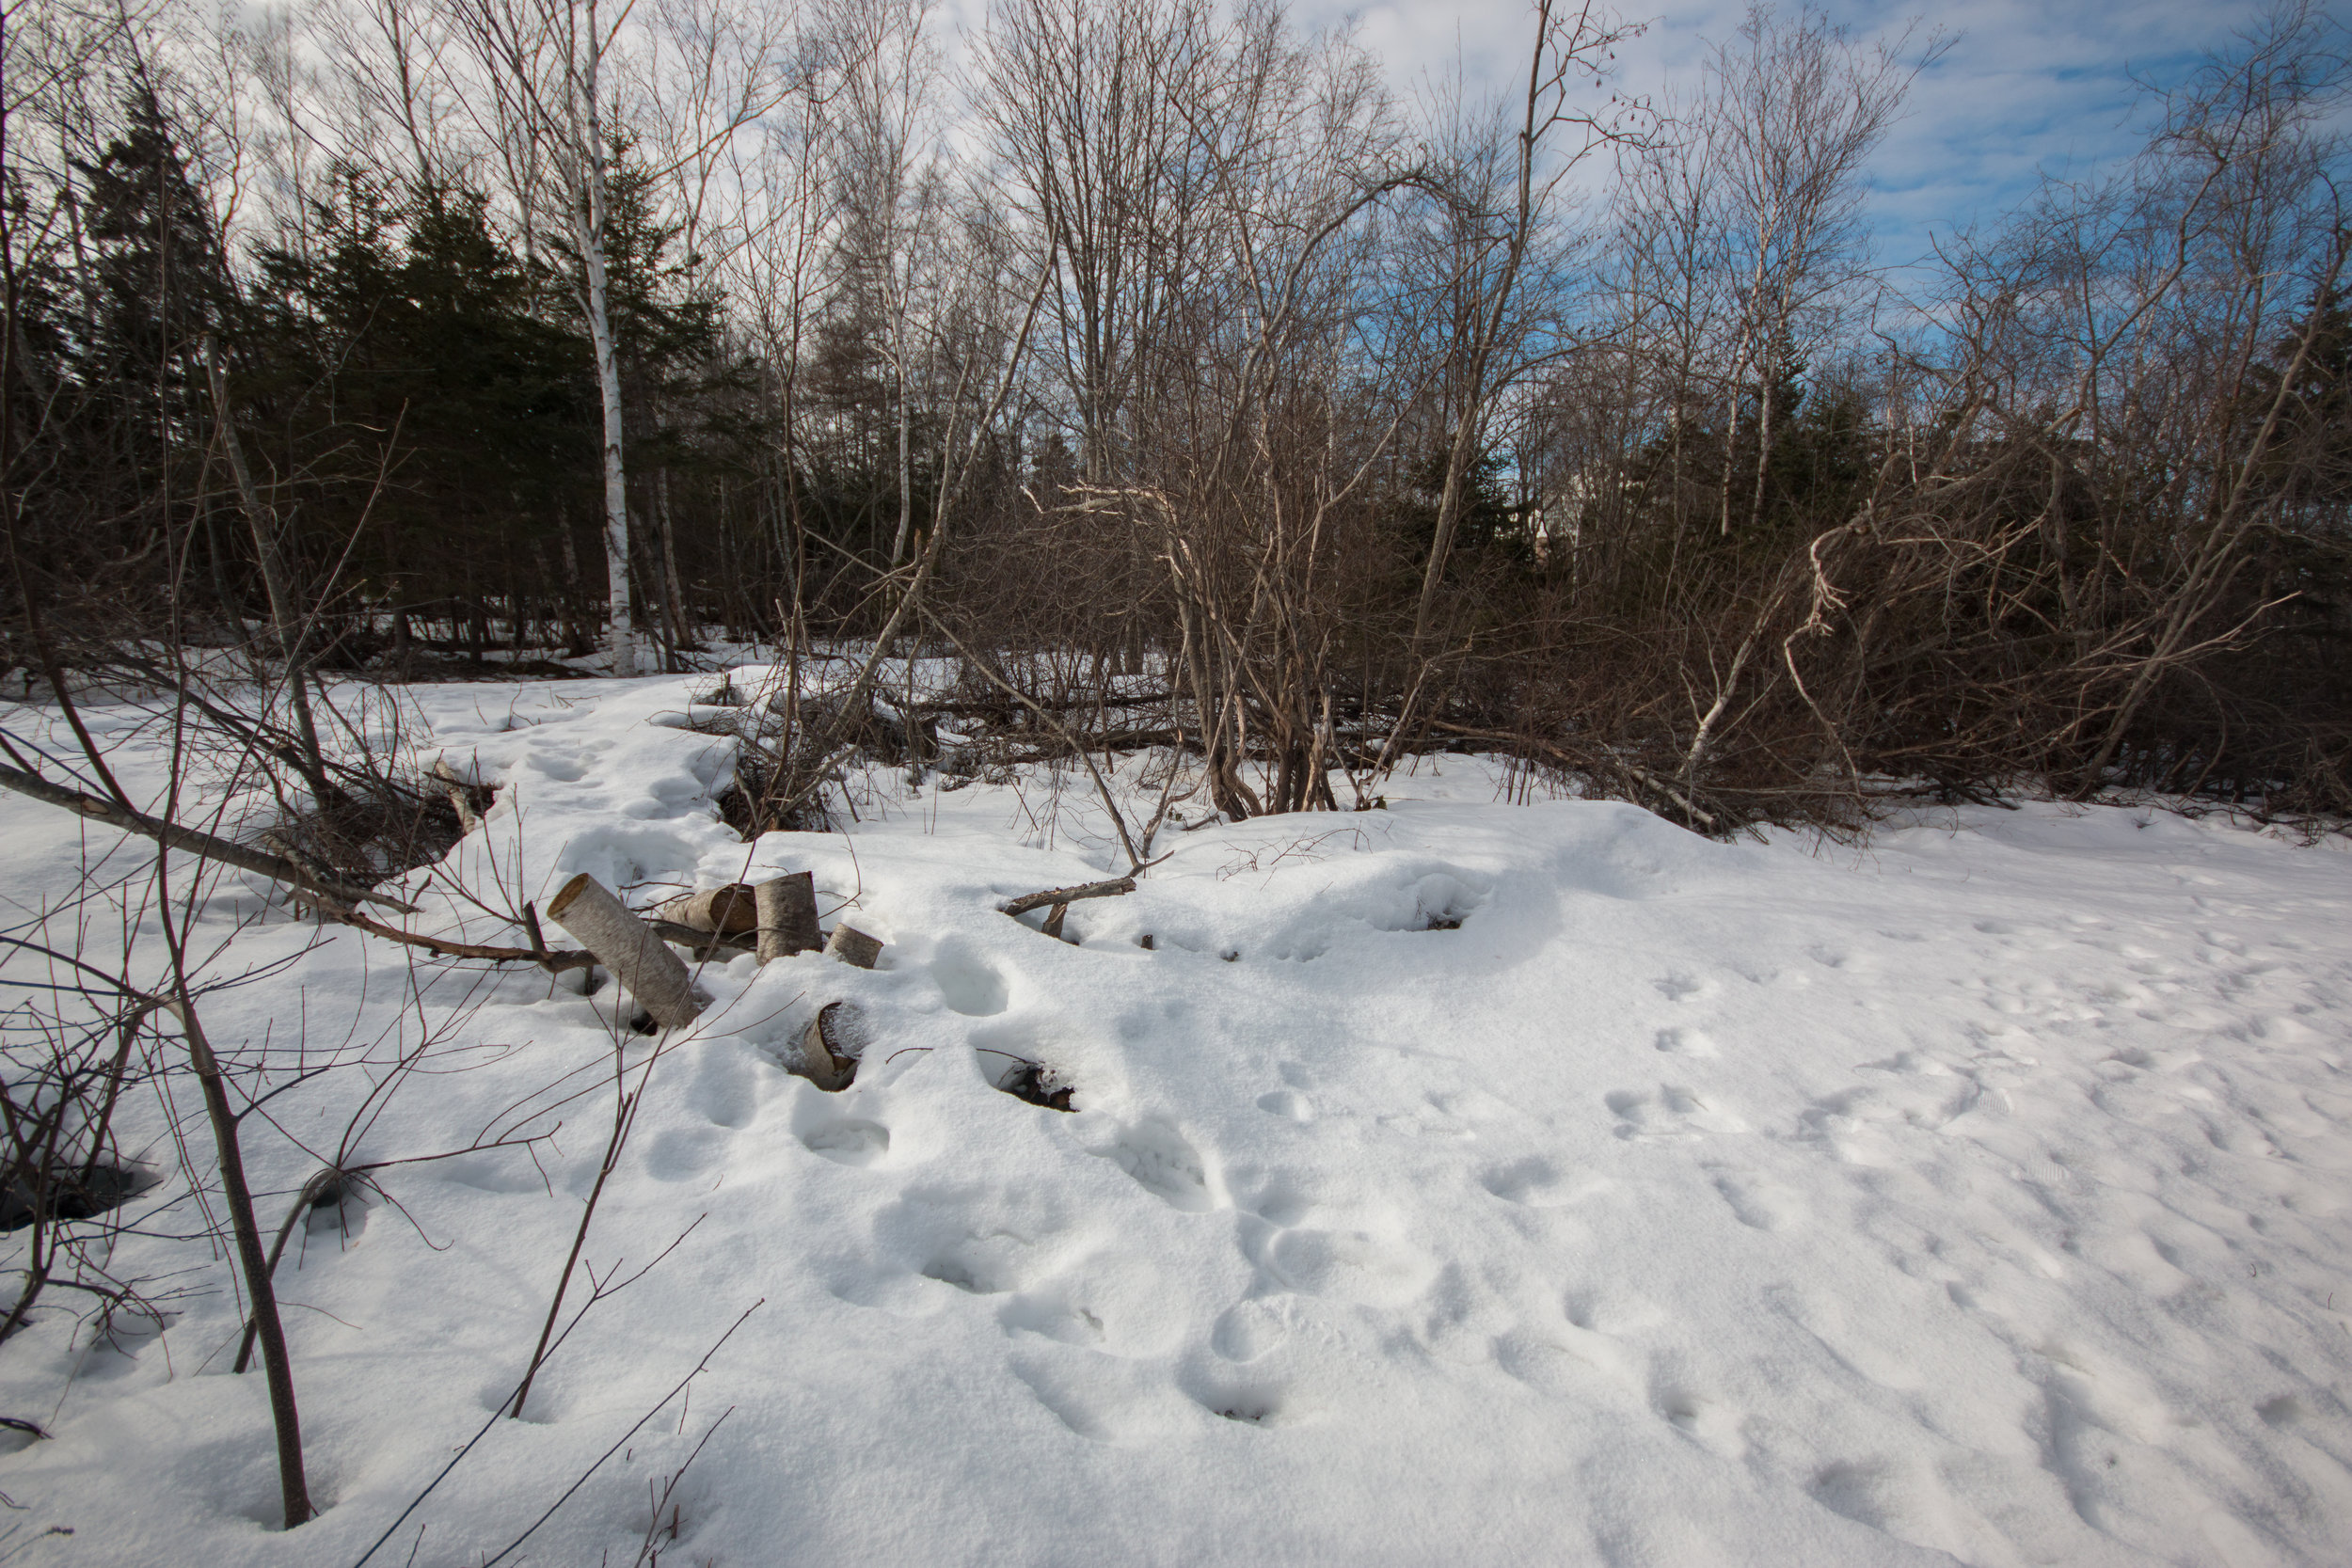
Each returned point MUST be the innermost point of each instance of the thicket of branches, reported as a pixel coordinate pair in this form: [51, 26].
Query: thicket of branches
[1148, 349]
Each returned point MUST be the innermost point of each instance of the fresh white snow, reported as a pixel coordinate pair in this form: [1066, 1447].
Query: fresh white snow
[1977, 1195]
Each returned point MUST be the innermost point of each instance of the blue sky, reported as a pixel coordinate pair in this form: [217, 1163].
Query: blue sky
[2028, 84]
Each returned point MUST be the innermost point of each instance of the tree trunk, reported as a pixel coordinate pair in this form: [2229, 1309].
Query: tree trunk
[275, 577]
[293, 1485]
[589, 229]
[674, 597]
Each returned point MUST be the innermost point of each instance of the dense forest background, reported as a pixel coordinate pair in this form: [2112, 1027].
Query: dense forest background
[1152, 359]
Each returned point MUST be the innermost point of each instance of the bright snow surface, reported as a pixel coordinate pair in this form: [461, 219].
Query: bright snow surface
[1978, 1195]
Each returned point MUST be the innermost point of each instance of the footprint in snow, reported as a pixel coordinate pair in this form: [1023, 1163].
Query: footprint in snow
[1164, 1164]
[1250, 1329]
[849, 1143]
[1712, 1426]
[1351, 1265]
[1674, 1111]
[1680, 1041]
[967, 982]
[844, 1140]
[1760, 1204]
[1289, 1104]
[1536, 1183]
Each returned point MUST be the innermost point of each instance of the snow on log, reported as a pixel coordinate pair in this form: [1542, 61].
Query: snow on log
[825, 1061]
[629, 948]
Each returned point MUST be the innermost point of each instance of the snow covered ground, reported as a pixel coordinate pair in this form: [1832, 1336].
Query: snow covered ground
[1977, 1196]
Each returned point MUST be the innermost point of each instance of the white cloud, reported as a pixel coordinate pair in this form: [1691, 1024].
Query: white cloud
[2026, 85]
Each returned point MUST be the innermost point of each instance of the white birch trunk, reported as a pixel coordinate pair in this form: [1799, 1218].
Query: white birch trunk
[906, 468]
[590, 227]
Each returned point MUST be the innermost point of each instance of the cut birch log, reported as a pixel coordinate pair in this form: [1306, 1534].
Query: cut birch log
[824, 1058]
[703, 944]
[467, 819]
[853, 947]
[629, 948]
[786, 909]
[731, 910]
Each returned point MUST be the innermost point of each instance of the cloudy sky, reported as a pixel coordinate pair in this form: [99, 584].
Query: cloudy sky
[2026, 85]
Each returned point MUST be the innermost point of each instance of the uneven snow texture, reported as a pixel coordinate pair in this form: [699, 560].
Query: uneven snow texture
[1980, 1197]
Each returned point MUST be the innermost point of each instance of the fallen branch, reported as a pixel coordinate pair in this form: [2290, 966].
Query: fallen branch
[207, 845]
[1565, 759]
[1083, 700]
[1023, 904]
[554, 961]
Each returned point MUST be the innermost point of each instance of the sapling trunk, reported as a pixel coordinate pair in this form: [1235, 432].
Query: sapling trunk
[294, 1486]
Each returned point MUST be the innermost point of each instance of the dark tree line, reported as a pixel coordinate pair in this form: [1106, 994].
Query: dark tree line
[1193, 356]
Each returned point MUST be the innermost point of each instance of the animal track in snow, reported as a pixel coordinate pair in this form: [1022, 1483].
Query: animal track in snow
[1535, 1182]
[847, 1142]
[1711, 1425]
[1164, 1164]
[1682, 1041]
[967, 982]
[1249, 1329]
[1351, 1265]
[1678, 986]
[982, 1265]
[1287, 1103]
[1050, 1313]
[1760, 1204]
[1674, 1111]
[1242, 1399]
[563, 769]
[686, 1154]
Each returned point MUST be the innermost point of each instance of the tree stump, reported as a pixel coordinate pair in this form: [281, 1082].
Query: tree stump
[787, 916]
